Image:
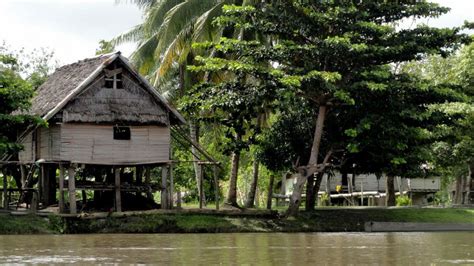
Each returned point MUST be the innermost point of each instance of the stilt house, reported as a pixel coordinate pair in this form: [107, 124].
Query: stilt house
[101, 114]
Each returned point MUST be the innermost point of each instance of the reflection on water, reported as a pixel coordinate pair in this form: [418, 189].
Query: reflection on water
[225, 249]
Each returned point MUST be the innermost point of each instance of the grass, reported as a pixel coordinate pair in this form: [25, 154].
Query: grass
[321, 220]
[28, 224]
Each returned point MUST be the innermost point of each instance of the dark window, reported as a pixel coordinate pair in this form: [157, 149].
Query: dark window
[121, 133]
[114, 82]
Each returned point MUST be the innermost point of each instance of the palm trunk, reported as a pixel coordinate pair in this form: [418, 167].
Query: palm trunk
[390, 191]
[250, 203]
[194, 134]
[232, 195]
[295, 199]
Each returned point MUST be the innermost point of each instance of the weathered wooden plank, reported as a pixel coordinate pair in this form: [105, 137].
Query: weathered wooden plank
[72, 189]
[61, 188]
[87, 143]
[118, 198]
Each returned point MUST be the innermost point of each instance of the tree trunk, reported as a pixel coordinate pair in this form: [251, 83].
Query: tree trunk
[232, 195]
[470, 177]
[458, 193]
[317, 185]
[295, 199]
[250, 203]
[390, 191]
[270, 192]
[310, 198]
[194, 134]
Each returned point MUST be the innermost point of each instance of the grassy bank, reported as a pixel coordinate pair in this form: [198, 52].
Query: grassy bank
[322, 220]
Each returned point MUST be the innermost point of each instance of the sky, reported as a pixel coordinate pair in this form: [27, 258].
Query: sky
[73, 28]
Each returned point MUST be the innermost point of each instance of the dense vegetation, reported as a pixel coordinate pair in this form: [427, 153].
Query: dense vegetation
[311, 87]
[306, 87]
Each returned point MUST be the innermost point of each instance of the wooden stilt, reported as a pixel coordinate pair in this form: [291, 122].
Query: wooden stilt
[149, 195]
[270, 192]
[5, 187]
[41, 187]
[61, 188]
[72, 189]
[201, 193]
[118, 199]
[178, 199]
[24, 175]
[216, 185]
[164, 189]
[282, 189]
[170, 197]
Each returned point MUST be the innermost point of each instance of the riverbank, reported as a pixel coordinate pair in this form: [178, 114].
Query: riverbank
[321, 220]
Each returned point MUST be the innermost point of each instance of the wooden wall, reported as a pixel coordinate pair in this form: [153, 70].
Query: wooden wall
[94, 144]
[46, 145]
[26, 155]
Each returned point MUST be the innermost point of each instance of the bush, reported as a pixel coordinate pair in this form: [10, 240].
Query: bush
[403, 201]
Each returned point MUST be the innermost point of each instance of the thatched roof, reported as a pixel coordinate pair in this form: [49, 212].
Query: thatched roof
[70, 80]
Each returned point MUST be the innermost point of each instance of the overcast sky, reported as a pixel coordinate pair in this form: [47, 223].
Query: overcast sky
[73, 28]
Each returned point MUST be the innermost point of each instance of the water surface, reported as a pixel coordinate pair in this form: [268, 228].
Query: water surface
[231, 249]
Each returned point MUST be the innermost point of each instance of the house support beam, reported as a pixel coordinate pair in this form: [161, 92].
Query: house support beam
[164, 187]
[118, 199]
[72, 189]
[171, 192]
[61, 188]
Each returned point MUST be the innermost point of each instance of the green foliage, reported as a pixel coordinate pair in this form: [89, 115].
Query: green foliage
[105, 47]
[15, 95]
[333, 54]
[403, 201]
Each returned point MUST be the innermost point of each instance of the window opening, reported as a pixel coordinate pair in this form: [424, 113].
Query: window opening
[113, 79]
[122, 133]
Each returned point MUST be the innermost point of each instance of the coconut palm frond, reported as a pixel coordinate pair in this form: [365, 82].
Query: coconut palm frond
[177, 51]
[179, 17]
[134, 35]
[154, 16]
[204, 30]
[143, 55]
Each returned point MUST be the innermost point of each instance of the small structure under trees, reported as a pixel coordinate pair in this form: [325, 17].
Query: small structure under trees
[108, 129]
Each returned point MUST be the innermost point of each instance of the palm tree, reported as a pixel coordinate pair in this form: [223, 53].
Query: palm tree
[165, 39]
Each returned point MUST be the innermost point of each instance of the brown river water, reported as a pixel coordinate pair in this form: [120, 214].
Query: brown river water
[441, 248]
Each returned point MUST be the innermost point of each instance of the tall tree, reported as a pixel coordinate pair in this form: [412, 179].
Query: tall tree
[324, 51]
[454, 151]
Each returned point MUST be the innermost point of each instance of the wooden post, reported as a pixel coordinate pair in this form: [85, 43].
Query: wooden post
[72, 189]
[118, 199]
[282, 189]
[34, 203]
[201, 193]
[216, 185]
[178, 198]
[24, 175]
[171, 198]
[5, 196]
[41, 186]
[270, 193]
[164, 185]
[149, 195]
[361, 193]
[350, 187]
[61, 188]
